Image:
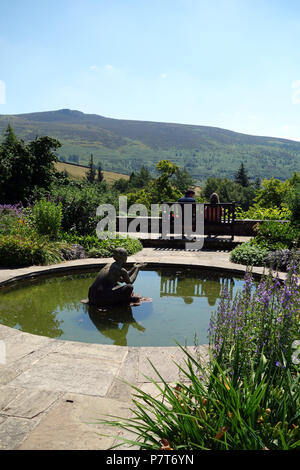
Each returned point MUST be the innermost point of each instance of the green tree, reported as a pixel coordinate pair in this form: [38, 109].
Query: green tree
[158, 190]
[292, 200]
[91, 173]
[272, 193]
[241, 176]
[23, 167]
[43, 156]
[140, 179]
[229, 191]
[121, 185]
[257, 184]
[294, 180]
[182, 179]
[100, 175]
[10, 138]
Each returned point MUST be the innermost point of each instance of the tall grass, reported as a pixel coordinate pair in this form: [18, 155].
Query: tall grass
[213, 410]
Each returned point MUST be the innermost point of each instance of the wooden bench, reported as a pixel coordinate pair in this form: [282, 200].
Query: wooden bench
[218, 218]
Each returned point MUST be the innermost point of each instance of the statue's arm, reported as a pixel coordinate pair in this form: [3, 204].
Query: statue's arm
[125, 276]
[129, 276]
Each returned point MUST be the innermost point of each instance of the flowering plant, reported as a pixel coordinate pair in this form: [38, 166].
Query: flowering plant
[260, 319]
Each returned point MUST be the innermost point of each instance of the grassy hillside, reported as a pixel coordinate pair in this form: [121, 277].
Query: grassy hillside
[124, 146]
[78, 172]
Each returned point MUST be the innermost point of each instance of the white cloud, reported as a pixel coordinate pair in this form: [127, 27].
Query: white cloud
[94, 67]
[163, 75]
[2, 92]
[296, 93]
[108, 67]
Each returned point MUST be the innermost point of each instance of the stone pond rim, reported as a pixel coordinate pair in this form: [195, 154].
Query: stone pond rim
[35, 272]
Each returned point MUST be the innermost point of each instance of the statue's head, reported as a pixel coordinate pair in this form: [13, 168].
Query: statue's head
[120, 254]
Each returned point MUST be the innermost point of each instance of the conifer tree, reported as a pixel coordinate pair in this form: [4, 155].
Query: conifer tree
[91, 174]
[10, 138]
[241, 176]
[100, 175]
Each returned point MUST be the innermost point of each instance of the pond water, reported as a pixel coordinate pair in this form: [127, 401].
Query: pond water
[182, 303]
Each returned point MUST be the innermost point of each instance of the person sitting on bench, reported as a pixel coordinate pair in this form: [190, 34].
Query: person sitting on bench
[213, 213]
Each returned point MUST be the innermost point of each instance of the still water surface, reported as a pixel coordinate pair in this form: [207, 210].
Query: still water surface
[182, 304]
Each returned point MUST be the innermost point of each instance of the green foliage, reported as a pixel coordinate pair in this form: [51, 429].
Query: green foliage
[121, 185]
[249, 254]
[272, 193]
[140, 179]
[87, 241]
[283, 259]
[292, 200]
[214, 409]
[158, 190]
[241, 176]
[100, 175]
[79, 204]
[272, 233]
[25, 166]
[17, 251]
[229, 191]
[10, 138]
[47, 217]
[106, 247]
[9, 223]
[102, 248]
[182, 180]
[91, 174]
[271, 236]
[257, 212]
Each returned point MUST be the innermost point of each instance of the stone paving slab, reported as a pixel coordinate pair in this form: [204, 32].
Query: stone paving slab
[72, 425]
[166, 361]
[29, 403]
[14, 430]
[20, 345]
[113, 354]
[120, 388]
[67, 373]
[11, 369]
[8, 394]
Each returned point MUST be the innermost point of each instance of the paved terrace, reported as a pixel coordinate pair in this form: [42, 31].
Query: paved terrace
[52, 391]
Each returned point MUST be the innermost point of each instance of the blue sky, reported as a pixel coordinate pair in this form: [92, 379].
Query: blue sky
[233, 64]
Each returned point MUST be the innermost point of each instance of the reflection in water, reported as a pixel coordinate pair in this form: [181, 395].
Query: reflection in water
[187, 286]
[114, 323]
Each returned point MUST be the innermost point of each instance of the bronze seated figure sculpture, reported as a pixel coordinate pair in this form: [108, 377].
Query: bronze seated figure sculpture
[106, 290]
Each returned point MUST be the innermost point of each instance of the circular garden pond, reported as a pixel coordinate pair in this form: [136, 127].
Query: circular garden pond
[182, 302]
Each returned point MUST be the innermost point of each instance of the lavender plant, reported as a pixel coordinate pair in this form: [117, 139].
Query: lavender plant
[259, 319]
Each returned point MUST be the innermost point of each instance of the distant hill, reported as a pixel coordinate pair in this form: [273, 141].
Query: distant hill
[124, 146]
